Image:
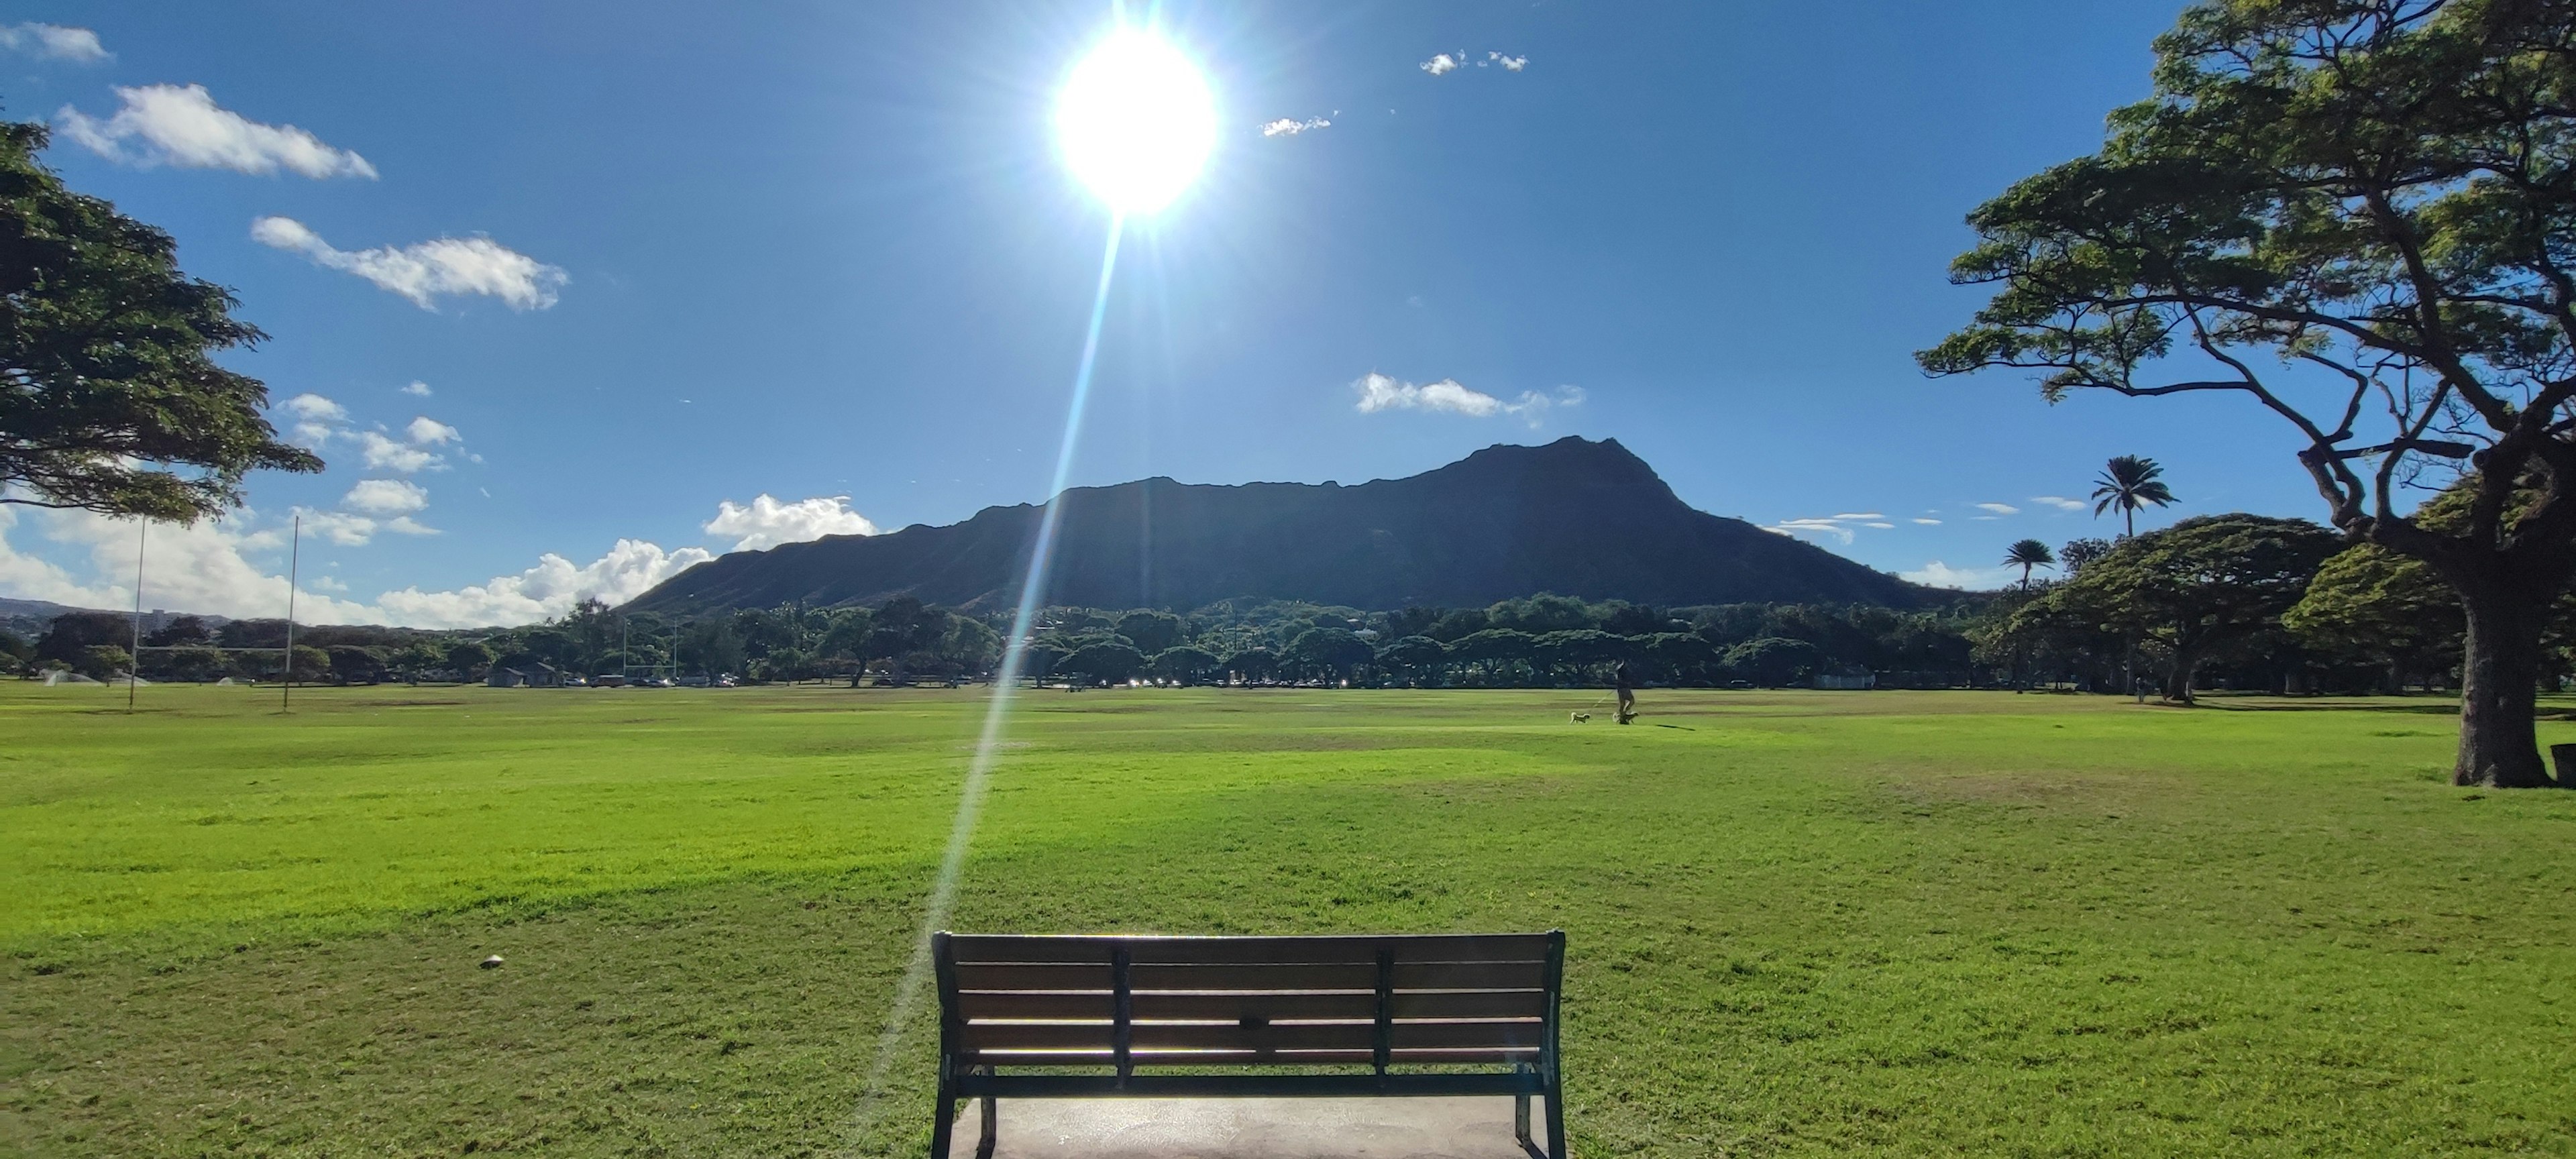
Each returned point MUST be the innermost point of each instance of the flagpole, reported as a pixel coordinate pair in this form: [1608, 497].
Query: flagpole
[294, 557]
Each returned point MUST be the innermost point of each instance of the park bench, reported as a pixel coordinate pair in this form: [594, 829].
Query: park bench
[1158, 1017]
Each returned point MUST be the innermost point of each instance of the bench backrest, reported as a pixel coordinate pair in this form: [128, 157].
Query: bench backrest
[1014, 1000]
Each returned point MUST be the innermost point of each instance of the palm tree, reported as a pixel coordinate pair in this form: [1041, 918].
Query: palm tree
[2028, 554]
[2129, 483]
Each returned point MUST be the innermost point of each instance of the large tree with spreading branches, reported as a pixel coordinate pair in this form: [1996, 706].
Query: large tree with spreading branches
[110, 399]
[2360, 216]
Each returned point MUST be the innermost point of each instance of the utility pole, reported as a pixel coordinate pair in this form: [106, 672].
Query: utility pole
[134, 667]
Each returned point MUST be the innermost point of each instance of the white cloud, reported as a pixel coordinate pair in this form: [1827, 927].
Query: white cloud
[29, 578]
[1999, 508]
[340, 527]
[1879, 525]
[1443, 63]
[1860, 515]
[1927, 522]
[54, 42]
[1509, 63]
[1290, 126]
[384, 454]
[315, 408]
[2059, 502]
[417, 388]
[549, 589]
[386, 497]
[1379, 392]
[420, 272]
[766, 522]
[182, 126]
[428, 431]
[1941, 575]
[218, 567]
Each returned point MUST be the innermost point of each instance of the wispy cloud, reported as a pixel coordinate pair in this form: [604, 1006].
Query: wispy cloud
[1290, 126]
[423, 271]
[1827, 527]
[53, 42]
[1445, 63]
[181, 126]
[1379, 392]
[417, 388]
[1927, 522]
[1999, 508]
[2059, 502]
[1839, 526]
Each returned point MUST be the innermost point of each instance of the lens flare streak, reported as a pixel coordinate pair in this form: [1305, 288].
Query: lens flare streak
[970, 801]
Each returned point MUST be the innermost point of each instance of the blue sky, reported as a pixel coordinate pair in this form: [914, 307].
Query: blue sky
[699, 255]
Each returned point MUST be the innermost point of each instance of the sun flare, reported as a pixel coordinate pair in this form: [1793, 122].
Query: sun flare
[1136, 121]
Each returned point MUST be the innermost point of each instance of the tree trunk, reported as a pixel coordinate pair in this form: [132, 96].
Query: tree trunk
[2499, 685]
[2178, 682]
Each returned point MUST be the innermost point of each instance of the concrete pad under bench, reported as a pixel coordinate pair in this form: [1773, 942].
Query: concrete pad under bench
[1230, 1128]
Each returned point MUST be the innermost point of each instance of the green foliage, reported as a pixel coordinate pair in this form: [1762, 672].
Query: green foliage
[110, 399]
[1103, 663]
[1185, 665]
[1254, 664]
[470, 658]
[2196, 588]
[1150, 631]
[1416, 657]
[1775, 662]
[73, 633]
[2027, 554]
[101, 661]
[2130, 484]
[195, 662]
[2371, 605]
[1326, 653]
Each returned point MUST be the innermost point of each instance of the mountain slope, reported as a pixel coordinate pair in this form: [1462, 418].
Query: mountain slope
[1574, 517]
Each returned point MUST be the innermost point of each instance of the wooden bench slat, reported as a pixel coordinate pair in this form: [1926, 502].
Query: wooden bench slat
[1351, 976]
[1452, 1055]
[1275, 1036]
[1044, 948]
[1029, 1004]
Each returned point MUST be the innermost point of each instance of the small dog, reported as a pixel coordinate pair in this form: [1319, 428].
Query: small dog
[1578, 718]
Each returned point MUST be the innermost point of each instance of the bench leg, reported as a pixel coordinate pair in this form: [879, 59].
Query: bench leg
[984, 1146]
[1521, 1123]
[943, 1123]
[1556, 1120]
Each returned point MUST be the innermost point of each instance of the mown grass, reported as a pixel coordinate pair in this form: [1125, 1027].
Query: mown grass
[1914, 923]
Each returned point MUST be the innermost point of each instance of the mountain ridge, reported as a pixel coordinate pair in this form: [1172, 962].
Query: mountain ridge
[1573, 517]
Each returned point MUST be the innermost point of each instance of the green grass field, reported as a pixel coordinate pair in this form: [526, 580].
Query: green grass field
[1919, 923]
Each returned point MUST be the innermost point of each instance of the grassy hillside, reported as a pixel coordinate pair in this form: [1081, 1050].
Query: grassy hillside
[1798, 923]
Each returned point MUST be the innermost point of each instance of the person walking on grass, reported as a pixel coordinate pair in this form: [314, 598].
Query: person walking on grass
[1625, 680]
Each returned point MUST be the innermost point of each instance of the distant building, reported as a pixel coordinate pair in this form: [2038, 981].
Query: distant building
[1847, 678]
[525, 676]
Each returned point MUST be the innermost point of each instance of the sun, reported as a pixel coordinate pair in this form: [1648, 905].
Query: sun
[1136, 121]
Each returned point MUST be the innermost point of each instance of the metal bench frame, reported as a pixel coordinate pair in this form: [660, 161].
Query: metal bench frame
[965, 1073]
